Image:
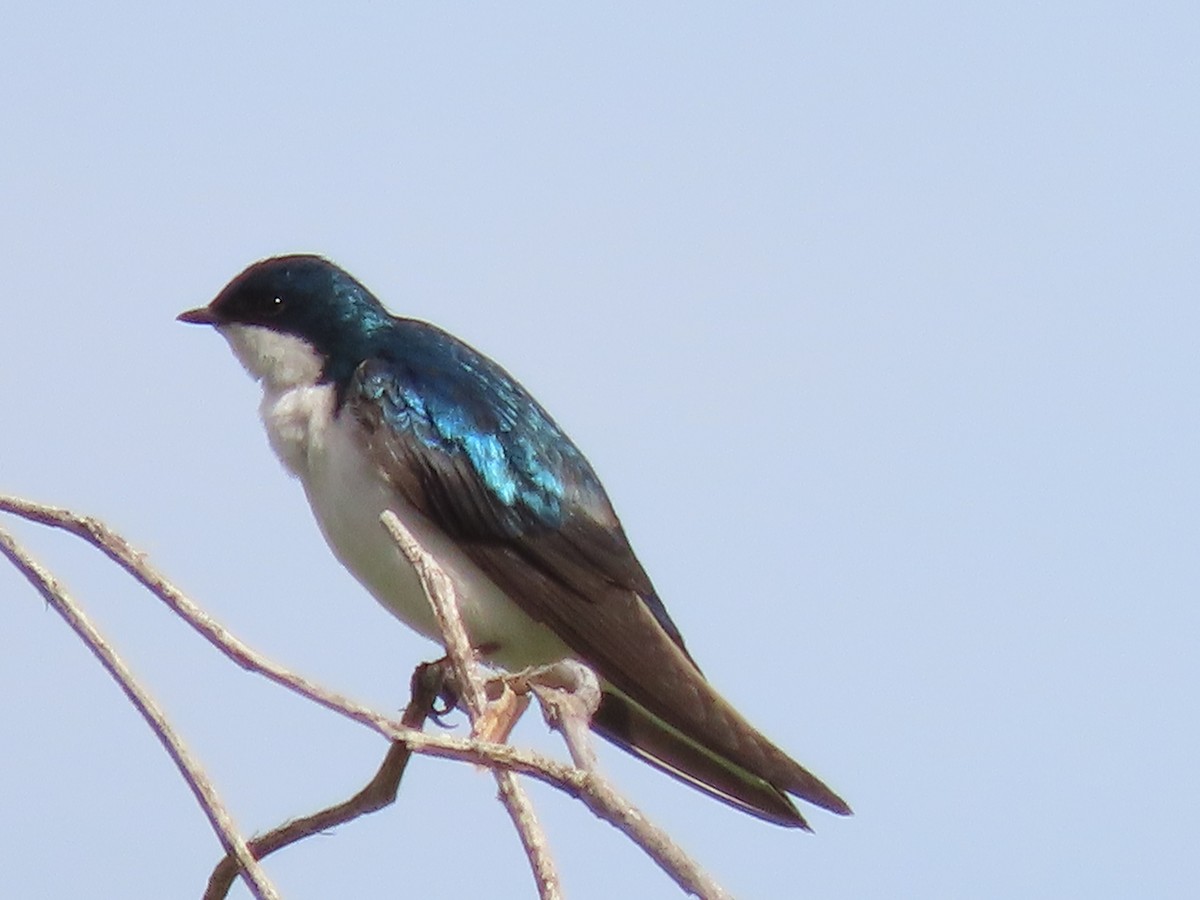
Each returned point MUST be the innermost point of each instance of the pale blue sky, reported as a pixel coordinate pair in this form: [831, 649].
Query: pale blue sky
[879, 323]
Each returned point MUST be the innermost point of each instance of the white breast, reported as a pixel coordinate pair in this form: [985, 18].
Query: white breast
[347, 495]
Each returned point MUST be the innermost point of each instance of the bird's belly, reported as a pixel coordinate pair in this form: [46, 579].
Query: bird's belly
[348, 496]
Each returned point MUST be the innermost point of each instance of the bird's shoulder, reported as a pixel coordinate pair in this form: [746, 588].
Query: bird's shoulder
[433, 404]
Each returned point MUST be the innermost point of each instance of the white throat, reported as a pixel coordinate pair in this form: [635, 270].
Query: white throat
[279, 361]
[295, 408]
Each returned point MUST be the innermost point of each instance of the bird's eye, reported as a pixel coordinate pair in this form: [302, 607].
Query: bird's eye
[273, 306]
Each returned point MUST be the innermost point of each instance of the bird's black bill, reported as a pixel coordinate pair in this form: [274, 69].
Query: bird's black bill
[201, 316]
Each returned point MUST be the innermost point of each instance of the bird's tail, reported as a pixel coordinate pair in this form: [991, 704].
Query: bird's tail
[633, 728]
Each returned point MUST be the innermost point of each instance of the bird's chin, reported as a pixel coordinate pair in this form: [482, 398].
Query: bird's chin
[280, 361]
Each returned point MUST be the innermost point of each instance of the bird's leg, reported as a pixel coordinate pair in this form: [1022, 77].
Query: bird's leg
[569, 694]
[504, 705]
[447, 697]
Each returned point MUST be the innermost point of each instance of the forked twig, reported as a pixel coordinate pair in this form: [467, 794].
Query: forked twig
[588, 786]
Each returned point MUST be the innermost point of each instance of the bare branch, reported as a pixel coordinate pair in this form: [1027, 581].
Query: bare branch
[592, 790]
[256, 879]
[569, 693]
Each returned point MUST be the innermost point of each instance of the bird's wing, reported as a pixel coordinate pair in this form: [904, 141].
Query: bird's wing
[469, 449]
[465, 445]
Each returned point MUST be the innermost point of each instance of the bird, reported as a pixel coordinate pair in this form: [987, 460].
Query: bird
[373, 412]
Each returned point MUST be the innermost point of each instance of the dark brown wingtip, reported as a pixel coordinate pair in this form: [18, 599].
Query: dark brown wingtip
[807, 786]
[842, 808]
[201, 316]
[632, 729]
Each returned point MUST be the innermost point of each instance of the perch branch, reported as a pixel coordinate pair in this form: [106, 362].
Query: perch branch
[588, 787]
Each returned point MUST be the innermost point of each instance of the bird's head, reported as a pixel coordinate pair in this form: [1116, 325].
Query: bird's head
[295, 320]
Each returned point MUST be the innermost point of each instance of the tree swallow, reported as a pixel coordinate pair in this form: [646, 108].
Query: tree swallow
[374, 412]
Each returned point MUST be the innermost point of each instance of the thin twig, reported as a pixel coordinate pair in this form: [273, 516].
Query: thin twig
[380, 791]
[592, 790]
[45, 583]
[569, 693]
[443, 598]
